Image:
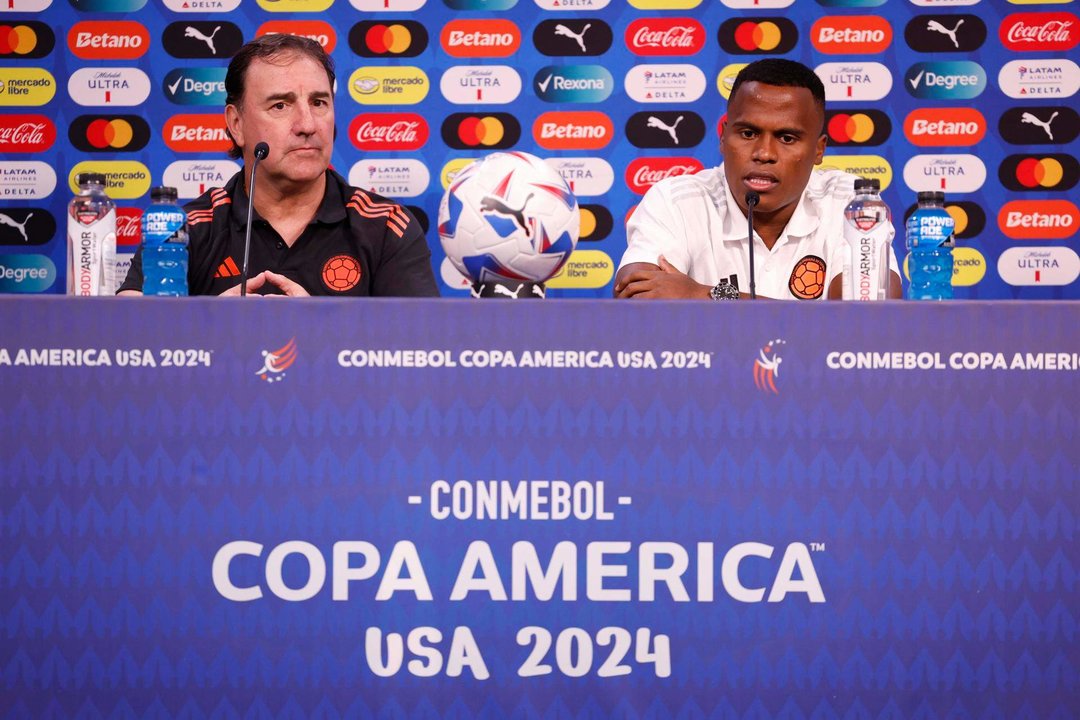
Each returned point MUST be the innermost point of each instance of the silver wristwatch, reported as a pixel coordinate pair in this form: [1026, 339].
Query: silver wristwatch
[724, 290]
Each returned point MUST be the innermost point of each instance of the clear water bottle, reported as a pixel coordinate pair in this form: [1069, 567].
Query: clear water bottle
[91, 239]
[930, 243]
[164, 245]
[868, 236]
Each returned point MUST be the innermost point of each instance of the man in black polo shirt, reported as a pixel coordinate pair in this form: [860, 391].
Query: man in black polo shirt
[312, 233]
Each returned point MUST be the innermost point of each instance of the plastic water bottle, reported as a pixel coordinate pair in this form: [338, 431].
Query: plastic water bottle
[930, 243]
[164, 245]
[91, 235]
[868, 235]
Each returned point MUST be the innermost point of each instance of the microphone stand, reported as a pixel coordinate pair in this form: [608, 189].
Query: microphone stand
[752, 199]
[261, 151]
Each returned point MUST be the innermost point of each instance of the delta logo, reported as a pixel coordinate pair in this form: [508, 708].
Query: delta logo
[97, 86]
[1041, 32]
[940, 127]
[26, 180]
[1045, 125]
[26, 87]
[573, 83]
[317, 30]
[1022, 173]
[761, 36]
[855, 81]
[945, 33]
[586, 176]
[855, 128]
[664, 83]
[109, 133]
[400, 38]
[480, 38]
[202, 6]
[573, 38]
[562, 5]
[493, 131]
[653, 37]
[398, 177]
[1042, 79]
[27, 40]
[108, 40]
[196, 133]
[851, 35]
[1039, 219]
[954, 80]
[26, 134]
[643, 173]
[587, 130]
[947, 173]
[388, 131]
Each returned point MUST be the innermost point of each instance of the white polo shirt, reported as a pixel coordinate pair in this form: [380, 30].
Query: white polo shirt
[694, 222]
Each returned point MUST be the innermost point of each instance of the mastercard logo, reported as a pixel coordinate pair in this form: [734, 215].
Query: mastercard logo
[490, 131]
[968, 218]
[857, 127]
[1049, 172]
[772, 36]
[404, 38]
[596, 222]
[26, 40]
[109, 133]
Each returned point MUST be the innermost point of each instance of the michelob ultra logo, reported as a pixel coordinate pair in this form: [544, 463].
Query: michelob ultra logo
[873, 167]
[26, 133]
[196, 133]
[400, 38]
[851, 34]
[948, 173]
[954, 80]
[573, 37]
[108, 40]
[596, 222]
[97, 86]
[573, 83]
[400, 177]
[26, 180]
[480, 84]
[1039, 266]
[665, 83]
[1042, 125]
[124, 179]
[1039, 219]
[26, 87]
[113, 6]
[665, 36]
[195, 86]
[1056, 171]
[864, 127]
[940, 127]
[643, 173]
[109, 133]
[1042, 79]
[945, 33]
[192, 178]
[283, 6]
[760, 36]
[389, 85]
[27, 40]
[494, 131]
[586, 176]
[856, 81]
[480, 38]
[588, 130]
[317, 30]
[584, 269]
[1040, 32]
[388, 131]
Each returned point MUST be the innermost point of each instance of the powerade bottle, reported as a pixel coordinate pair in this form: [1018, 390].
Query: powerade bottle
[91, 235]
[930, 243]
[164, 245]
[868, 235]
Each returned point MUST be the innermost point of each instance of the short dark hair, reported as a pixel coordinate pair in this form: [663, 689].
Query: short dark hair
[781, 73]
[266, 48]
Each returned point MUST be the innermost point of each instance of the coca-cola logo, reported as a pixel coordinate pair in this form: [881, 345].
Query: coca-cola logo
[643, 173]
[26, 133]
[665, 36]
[389, 131]
[1045, 32]
[128, 226]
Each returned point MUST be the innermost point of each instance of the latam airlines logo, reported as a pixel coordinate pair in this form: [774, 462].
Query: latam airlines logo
[26, 133]
[109, 133]
[494, 131]
[27, 40]
[573, 38]
[956, 80]
[1043, 79]
[480, 38]
[588, 130]
[1055, 171]
[1039, 219]
[108, 40]
[97, 86]
[1040, 32]
[26, 87]
[400, 177]
[573, 83]
[317, 30]
[860, 82]
[665, 83]
[857, 128]
[1039, 266]
[665, 129]
[26, 180]
[563, 5]
[948, 173]
[202, 39]
[760, 36]
[945, 33]
[851, 34]
[586, 176]
[480, 84]
[643, 173]
[202, 6]
[196, 133]
[388, 131]
[939, 127]
[192, 178]
[195, 86]
[400, 38]
[1045, 125]
[665, 36]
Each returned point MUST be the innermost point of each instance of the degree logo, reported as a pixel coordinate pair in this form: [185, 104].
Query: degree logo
[573, 38]
[26, 226]
[26, 87]
[389, 85]
[1039, 266]
[97, 86]
[941, 127]
[851, 34]
[852, 128]
[1055, 171]
[26, 40]
[494, 131]
[26, 273]
[1045, 125]
[113, 6]
[1041, 32]
[108, 40]
[588, 130]
[1039, 219]
[400, 38]
[196, 133]
[955, 80]
[573, 83]
[109, 133]
[195, 86]
[26, 180]
[480, 38]
[388, 131]
[760, 36]
[26, 133]
[480, 84]
[124, 179]
[665, 36]
[586, 176]
[664, 83]
[945, 33]
[855, 81]
[665, 129]
[947, 173]
[201, 39]
[1043, 79]
[596, 223]
[317, 30]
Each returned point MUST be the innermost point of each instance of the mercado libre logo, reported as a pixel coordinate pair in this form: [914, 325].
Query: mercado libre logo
[276, 362]
[767, 366]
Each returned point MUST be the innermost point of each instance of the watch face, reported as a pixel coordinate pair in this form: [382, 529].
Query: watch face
[724, 290]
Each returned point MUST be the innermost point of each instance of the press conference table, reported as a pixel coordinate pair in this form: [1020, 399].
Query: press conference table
[562, 508]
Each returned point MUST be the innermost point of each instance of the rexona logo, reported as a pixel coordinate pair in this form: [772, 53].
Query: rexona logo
[665, 129]
[398, 38]
[26, 180]
[1039, 219]
[26, 273]
[108, 40]
[665, 83]
[1043, 79]
[124, 179]
[192, 178]
[1039, 266]
[945, 33]
[480, 84]
[940, 127]
[25, 226]
[760, 36]
[855, 81]
[588, 130]
[583, 37]
[201, 39]
[388, 131]
[573, 83]
[26, 87]
[643, 173]
[851, 34]
[1040, 32]
[115, 6]
[586, 176]
[27, 40]
[109, 133]
[389, 85]
[196, 133]
[948, 173]
[317, 30]
[202, 6]
[398, 178]
[97, 86]
[26, 133]
[596, 222]
[195, 86]
[1055, 171]
[665, 36]
[955, 80]
[289, 6]
[1050, 124]
[854, 128]
[480, 38]
[873, 167]
[494, 131]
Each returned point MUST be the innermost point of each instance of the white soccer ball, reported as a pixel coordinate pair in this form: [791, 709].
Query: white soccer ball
[508, 217]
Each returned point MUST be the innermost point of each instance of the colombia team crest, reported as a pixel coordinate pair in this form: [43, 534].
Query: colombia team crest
[341, 273]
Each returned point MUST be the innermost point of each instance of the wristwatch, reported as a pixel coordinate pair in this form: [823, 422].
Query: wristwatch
[724, 290]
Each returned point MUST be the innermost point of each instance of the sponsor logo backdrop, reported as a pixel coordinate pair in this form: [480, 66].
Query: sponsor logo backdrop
[975, 98]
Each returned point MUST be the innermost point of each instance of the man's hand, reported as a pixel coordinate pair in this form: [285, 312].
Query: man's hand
[282, 283]
[662, 281]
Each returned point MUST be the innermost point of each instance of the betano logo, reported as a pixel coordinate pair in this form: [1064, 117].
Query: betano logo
[865, 127]
[97, 86]
[317, 30]
[665, 36]
[494, 131]
[761, 36]
[109, 133]
[27, 40]
[196, 133]
[947, 173]
[1044, 125]
[941, 127]
[26, 133]
[389, 85]
[480, 38]
[1041, 79]
[665, 83]
[124, 179]
[587, 130]
[192, 178]
[873, 167]
[1055, 171]
[1039, 219]
[398, 178]
[195, 86]
[1040, 32]
[586, 269]
[643, 173]
[480, 84]
[290, 6]
[26, 180]
[851, 34]
[388, 131]
[26, 87]
[954, 80]
[855, 81]
[1025, 266]
[586, 176]
[573, 83]
[402, 38]
[108, 40]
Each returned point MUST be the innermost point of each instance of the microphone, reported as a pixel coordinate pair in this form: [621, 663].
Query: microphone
[261, 151]
[752, 199]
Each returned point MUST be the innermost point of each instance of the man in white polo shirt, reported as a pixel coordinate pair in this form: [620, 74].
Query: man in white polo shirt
[688, 236]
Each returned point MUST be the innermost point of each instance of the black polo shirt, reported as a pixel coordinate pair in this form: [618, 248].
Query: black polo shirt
[358, 243]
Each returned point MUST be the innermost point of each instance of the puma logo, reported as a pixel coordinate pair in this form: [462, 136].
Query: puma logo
[193, 32]
[493, 204]
[655, 122]
[561, 29]
[21, 227]
[939, 28]
[1032, 120]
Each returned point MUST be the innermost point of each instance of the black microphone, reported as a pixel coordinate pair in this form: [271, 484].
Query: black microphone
[261, 151]
[752, 199]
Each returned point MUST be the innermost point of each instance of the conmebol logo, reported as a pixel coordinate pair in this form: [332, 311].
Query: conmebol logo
[939, 127]
[665, 36]
[108, 40]
[573, 83]
[480, 38]
[643, 173]
[958, 80]
[1039, 219]
[573, 130]
[1040, 32]
[851, 34]
[388, 131]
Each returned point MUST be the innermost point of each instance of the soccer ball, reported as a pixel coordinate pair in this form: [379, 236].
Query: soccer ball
[341, 273]
[508, 217]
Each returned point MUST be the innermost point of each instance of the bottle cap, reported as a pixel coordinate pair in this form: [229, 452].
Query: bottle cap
[867, 184]
[163, 192]
[934, 196]
[90, 178]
